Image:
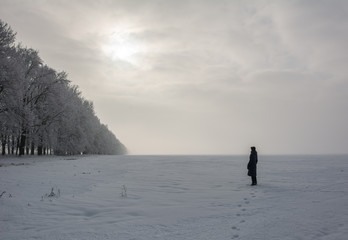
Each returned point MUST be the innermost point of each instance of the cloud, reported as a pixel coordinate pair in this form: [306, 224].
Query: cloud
[315, 32]
[216, 76]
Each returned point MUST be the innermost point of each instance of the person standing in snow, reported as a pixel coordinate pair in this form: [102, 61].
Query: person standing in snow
[252, 166]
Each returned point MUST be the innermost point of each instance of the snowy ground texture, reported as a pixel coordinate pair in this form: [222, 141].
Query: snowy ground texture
[173, 197]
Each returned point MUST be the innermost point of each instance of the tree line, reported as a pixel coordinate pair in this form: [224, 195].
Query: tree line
[41, 111]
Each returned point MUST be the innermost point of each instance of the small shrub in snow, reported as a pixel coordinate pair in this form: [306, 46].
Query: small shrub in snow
[52, 194]
[2, 193]
[124, 191]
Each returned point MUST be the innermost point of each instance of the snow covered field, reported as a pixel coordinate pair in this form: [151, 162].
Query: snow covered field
[173, 197]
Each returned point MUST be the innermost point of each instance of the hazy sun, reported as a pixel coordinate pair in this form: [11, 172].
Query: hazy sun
[122, 46]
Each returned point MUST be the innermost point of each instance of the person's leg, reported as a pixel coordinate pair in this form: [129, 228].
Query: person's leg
[253, 180]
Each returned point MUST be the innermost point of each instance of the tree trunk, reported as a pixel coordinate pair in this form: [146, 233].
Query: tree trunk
[8, 145]
[32, 150]
[3, 144]
[22, 141]
[40, 145]
[39, 150]
[12, 145]
[17, 147]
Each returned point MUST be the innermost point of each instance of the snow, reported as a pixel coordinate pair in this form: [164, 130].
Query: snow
[173, 197]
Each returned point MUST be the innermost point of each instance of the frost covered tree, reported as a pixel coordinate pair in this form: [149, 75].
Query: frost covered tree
[7, 48]
[41, 111]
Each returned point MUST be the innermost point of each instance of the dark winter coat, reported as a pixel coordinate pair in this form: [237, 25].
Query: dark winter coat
[252, 164]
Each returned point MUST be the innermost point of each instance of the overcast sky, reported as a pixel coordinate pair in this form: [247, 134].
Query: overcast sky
[203, 76]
